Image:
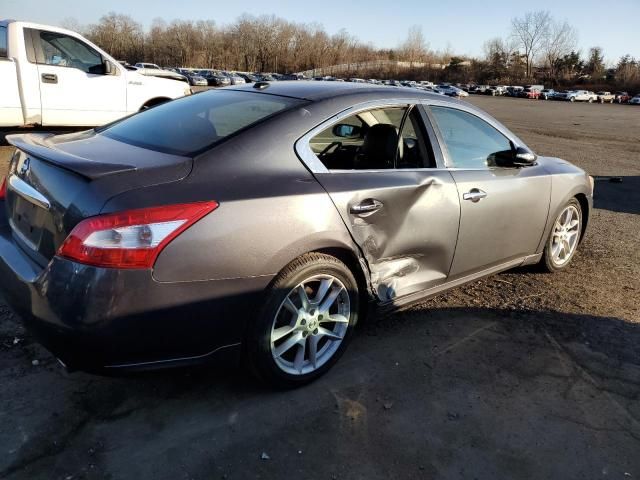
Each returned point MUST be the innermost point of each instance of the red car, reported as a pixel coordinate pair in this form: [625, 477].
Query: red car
[530, 93]
[622, 97]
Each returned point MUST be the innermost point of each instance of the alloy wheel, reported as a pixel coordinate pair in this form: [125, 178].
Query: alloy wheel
[566, 232]
[310, 324]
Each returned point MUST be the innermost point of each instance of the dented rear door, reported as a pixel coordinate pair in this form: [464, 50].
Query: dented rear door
[405, 222]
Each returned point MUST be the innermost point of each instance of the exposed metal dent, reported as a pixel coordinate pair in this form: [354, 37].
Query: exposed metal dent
[411, 299]
[408, 243]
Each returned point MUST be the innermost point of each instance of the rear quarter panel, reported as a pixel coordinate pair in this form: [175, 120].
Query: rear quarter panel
[271, 210]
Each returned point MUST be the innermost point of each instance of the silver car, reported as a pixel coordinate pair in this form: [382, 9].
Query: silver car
[259, 221]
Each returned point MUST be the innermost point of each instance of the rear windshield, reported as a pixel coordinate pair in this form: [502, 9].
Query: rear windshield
[192, 124]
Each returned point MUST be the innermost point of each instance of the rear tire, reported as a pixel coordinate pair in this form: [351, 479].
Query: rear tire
[306, 322]
[563, 239]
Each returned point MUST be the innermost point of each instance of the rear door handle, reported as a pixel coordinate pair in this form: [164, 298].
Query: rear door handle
[369, 205]
[475, 195]
[49, 78]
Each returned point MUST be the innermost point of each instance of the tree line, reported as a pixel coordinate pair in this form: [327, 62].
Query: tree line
[537, 48]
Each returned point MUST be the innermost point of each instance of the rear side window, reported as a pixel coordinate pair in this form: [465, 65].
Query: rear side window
[470, 141]
[192, 124]
[3, 42]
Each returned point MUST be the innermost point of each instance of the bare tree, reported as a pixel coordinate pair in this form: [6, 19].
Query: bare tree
[530, 32]
[561, 40]
[414, 48]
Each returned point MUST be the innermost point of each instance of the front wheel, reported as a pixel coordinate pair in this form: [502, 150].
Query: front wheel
[306, 322]
[564, 238]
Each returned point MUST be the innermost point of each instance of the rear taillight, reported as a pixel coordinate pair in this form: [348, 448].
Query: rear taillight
[133, 238]
[3, 188]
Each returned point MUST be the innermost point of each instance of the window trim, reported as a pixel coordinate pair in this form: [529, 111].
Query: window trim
[313, 163]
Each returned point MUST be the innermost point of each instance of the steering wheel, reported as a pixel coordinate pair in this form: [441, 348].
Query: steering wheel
[325, 150]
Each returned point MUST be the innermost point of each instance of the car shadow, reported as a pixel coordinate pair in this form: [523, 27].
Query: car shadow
[618, 194]
[480, 382]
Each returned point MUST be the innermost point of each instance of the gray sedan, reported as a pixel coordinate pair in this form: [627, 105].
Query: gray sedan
[258, 222]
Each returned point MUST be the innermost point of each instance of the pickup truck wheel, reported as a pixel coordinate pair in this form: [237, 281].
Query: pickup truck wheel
[572, 99]
[611, 101]
[591, 100]
[153, 102]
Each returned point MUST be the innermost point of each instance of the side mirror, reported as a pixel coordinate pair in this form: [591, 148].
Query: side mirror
[523, 157]
[344, 130]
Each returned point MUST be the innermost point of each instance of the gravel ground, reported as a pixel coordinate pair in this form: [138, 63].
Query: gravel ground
[522, 375]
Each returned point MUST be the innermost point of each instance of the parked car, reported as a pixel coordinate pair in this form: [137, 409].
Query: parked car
[479, 89]
[578, 96]
[266, 77]
[215, 78]
[452, 91]
[605, 97]
[234, 78]
[530, 92]
[432, 90]
[547, 94]
[622, 97]
[128, 247]
[514, 91]
[496, 91]
[249, 78]
[148, 66]
[193, 79]
[153, 70]
[69, 81]
[635, 100]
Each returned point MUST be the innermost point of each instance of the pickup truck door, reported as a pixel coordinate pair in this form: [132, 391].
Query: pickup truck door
[10, 106]
[75, 88]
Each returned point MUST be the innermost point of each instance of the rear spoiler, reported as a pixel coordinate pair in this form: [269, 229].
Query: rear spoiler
[40, 145]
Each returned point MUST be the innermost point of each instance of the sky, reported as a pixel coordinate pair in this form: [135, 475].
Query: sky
[462, 25]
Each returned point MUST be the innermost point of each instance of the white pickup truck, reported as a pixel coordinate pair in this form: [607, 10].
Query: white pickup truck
[50, 76]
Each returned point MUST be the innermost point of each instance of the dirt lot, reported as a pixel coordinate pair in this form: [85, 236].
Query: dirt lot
[522, 375]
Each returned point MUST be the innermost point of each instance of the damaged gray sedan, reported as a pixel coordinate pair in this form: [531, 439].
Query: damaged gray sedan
[259, 221]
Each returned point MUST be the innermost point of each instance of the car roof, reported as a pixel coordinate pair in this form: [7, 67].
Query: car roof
[320, 90]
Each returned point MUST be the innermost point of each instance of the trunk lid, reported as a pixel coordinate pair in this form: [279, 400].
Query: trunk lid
[56, 181]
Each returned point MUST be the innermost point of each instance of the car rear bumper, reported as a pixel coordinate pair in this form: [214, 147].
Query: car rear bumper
[101, 319]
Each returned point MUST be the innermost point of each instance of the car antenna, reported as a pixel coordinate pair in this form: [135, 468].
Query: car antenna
[261, 85]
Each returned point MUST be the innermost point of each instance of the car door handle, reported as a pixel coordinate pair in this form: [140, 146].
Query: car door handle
[475, 195]
[369, 205]
[49, 78]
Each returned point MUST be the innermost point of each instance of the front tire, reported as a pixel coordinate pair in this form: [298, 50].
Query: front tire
[564, 238]
[306, 323]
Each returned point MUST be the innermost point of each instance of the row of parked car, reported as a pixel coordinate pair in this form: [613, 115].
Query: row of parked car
[539, 92]
[203, 77]
[223, 78]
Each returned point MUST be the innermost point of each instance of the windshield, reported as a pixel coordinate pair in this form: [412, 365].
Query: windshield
[192, 124]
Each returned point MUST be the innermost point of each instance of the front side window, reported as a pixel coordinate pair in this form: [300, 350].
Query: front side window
[470, 141]
[3, 42]
[195, 123]
[65, 51]
[377, 139]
